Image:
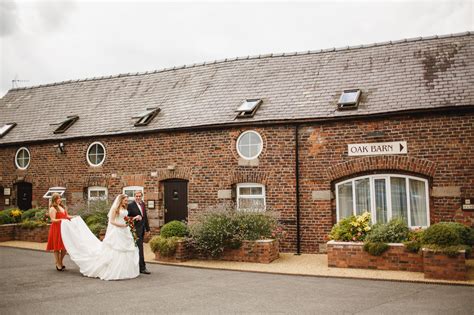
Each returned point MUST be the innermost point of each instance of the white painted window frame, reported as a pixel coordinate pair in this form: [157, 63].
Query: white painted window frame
[250, 185]
[16, 158]
[388, 196]
[87, 154]
[97, 188]
[240, 137]
[135, 189]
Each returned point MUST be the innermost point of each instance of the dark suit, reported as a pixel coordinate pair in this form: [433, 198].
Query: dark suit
[141, 226]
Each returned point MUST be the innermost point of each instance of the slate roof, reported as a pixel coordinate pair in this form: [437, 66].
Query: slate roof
[410, 74]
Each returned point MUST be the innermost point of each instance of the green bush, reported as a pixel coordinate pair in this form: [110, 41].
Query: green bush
[444, 234]
[216, 230]
[351, 229]
[451, 251]
[6, 218]
[375, 248]
[95, 216]
[174, 228]
[414, 242]
[29, 214]
[395, 231]
[42, 215]
[27, 224]
[166, 246]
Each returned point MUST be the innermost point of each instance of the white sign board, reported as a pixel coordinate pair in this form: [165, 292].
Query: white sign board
[382, 148]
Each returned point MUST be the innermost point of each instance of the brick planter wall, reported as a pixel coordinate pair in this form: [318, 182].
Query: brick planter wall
[441, 266]
[14, 232]
[262, 251]
[7, 232]
[183, 253]
[352, 255]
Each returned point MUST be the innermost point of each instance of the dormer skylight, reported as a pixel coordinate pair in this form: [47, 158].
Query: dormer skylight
[144, 118]
[65, 124]
[248, 108]
[349, 99]
[6, 128]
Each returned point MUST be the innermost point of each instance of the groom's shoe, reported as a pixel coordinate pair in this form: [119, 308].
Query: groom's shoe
[145, 271]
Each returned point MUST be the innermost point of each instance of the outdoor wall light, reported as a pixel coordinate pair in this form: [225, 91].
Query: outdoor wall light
[60, 147]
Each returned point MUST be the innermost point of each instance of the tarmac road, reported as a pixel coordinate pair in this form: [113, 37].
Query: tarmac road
[31, 285]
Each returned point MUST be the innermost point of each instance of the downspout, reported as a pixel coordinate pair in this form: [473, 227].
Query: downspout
[297, 177]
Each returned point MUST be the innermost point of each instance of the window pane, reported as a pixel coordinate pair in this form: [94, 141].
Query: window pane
[399, 198]
[380, 201]
[418, 203]
[362, 193]
[256, 190]
[345, 200]
[245, 191]
[251, 203]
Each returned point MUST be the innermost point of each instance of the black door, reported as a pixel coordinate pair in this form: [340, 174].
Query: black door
[176, 200]
[23, 195]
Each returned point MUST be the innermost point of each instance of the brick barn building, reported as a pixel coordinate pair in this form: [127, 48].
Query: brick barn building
[314, 136]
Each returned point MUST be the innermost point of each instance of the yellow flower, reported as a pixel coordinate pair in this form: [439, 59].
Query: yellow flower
[16, 213]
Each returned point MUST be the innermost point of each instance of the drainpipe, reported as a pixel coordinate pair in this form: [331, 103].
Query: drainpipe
[297, 177]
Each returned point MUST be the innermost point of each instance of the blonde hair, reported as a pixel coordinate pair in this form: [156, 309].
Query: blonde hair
[117, 210]
[54, 197]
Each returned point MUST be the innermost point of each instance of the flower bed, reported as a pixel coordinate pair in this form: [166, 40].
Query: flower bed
[14, 232]
[181, 254]
[260, 251]
[352, 255]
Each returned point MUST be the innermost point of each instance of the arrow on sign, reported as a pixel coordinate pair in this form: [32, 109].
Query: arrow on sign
[401, 147]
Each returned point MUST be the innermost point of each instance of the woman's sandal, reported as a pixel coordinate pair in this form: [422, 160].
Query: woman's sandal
[59, 269]
[63, 267]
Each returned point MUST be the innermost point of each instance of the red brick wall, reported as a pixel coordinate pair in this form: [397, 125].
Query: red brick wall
[10, 232]
[439, 148]
[441, 266]
[352, 255]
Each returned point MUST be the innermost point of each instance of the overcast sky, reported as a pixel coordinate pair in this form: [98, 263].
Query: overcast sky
[51, 41]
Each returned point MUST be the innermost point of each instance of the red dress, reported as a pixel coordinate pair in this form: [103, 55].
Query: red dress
[55, 241]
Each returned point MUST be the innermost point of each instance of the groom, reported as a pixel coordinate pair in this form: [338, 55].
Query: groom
[136, 210]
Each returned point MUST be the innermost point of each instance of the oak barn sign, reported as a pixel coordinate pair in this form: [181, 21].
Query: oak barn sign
[382, 148]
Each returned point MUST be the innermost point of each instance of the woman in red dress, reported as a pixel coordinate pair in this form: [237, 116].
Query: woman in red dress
[57, 213]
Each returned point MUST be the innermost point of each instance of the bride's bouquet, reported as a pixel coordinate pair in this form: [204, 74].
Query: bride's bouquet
[131, 225]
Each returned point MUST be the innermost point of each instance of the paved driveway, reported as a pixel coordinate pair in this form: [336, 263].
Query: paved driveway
[31, 285]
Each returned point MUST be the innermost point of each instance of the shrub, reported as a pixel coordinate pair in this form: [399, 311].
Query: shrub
[166, 246]
[218, 229]
[213, 231]
[353, 228]
[444, 234]
[174, 228]
[42, 215]
[6, 218]
[32, 224]
[414, 242]
[451, 251]
[29, 214]
[95, 216]
[395, 231]
[375, 248]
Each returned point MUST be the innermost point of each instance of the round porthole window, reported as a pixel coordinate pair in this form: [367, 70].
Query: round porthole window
[249, 145]
[22, 158]
[96, 154]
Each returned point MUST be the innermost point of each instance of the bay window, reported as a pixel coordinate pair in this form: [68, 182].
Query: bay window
[385, 196]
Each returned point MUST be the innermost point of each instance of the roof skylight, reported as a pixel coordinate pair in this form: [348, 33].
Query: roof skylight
[248, 108]
[65, 124]
[6, 128]
[349, 99]
[145, 117]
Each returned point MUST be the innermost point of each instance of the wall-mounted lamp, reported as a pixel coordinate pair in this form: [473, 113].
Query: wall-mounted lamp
[60, 147]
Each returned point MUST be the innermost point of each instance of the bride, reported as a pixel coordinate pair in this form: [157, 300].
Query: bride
[113, 259]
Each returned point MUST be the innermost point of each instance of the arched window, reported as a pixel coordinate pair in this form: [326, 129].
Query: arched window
[385, 196]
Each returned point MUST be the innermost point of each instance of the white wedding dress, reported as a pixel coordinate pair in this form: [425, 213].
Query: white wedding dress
[115, 258]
